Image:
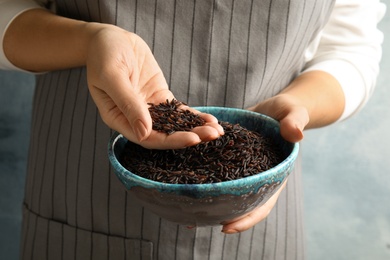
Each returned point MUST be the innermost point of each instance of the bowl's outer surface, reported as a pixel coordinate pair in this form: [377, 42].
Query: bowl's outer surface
[210, 204]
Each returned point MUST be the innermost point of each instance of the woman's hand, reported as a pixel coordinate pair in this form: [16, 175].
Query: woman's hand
[293, 118]
[314, 99]
[123, 77]
[253, 217]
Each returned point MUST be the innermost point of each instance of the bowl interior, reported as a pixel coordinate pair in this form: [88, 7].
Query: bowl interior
[214, 203]
[251, 120]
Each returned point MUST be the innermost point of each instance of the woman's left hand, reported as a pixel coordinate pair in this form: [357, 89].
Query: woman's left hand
[253, 217]
[314, 99]
[293, 118]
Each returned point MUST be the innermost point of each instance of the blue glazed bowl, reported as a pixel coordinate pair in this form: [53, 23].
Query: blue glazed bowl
[216, 203]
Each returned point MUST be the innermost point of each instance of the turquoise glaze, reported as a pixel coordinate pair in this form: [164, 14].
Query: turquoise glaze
[210, 204]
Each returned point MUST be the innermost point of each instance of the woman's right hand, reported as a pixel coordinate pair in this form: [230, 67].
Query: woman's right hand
[123, 77]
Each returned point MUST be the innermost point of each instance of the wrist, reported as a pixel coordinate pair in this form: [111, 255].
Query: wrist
[38, 40]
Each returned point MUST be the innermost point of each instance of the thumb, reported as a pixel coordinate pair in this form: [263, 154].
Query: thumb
[136, 112]
[292, 117]
[293, 124]
[123, 109]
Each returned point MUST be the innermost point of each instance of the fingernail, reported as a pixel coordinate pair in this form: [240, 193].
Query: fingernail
[300, 128]
[229, 231]
[139, 130]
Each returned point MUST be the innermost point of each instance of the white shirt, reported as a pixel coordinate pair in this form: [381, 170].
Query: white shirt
[348, 47]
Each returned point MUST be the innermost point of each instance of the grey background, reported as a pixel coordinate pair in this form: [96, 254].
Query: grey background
[346, 172]
[347, 178]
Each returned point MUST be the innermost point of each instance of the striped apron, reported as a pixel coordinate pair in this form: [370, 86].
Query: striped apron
[212, 52]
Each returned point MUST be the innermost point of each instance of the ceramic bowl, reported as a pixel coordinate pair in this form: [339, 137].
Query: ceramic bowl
[216, 203]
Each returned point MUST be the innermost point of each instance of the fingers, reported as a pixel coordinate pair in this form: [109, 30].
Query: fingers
[209, 131]
[128, 116]
[181, 139]
[292, 116]
[177, 140]
[140, 122]
[123, 109]
[254, 216]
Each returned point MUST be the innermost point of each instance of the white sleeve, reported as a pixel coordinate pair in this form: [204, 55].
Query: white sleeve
[349, 48]
[9, 10]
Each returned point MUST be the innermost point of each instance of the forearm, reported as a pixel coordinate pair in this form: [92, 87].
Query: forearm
[321, 94]
[38, 40]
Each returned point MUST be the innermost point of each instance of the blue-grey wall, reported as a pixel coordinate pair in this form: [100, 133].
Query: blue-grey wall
[347, 178]
[346, 173]
[16, 91]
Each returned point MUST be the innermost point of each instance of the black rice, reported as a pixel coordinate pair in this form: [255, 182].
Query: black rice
[237, 154]
[168, 117]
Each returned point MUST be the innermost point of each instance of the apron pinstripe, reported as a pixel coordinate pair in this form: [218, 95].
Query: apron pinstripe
[220, 52]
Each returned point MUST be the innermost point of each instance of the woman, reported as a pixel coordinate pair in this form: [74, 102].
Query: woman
[305, 63]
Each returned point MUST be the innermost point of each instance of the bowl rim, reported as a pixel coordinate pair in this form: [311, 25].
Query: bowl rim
[147, 183]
